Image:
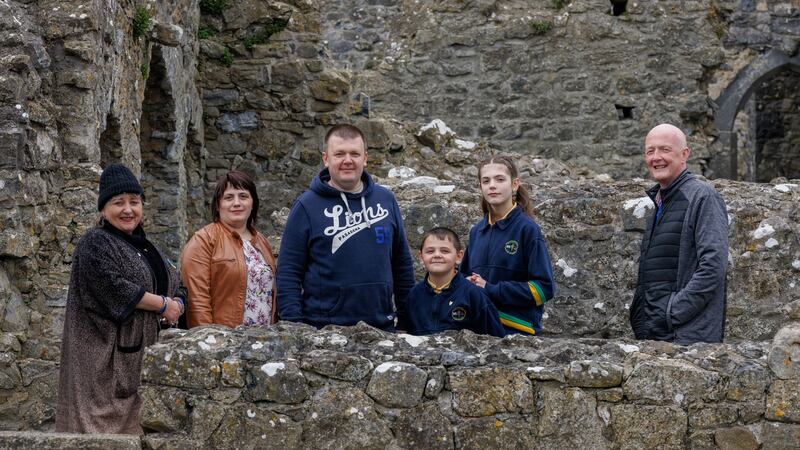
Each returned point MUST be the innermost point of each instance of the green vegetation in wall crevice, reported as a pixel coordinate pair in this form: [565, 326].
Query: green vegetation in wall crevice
[213, 7]
[141, 22]
[261, 36]
[541, 26]
[227, 57]
[206, 32]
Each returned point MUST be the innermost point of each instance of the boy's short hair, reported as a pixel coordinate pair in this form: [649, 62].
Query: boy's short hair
[441, 233]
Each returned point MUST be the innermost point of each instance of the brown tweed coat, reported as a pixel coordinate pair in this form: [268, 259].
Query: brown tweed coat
[105, 336]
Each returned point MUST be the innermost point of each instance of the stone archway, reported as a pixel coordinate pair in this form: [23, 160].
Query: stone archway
[724, 164]
[162, 146]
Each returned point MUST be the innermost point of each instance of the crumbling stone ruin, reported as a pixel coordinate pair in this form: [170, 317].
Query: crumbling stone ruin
[184, 90]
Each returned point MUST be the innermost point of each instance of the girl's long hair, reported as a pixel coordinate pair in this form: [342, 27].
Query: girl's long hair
[522, 197]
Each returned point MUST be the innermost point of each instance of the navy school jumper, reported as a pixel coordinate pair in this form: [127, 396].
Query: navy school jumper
[459, 306]
[512, 257]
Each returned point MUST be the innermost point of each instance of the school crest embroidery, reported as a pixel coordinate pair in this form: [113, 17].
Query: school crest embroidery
[512, 247]
[458, 314]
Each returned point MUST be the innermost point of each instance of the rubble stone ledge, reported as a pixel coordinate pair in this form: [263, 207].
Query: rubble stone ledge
[292, 386]
[36, 440]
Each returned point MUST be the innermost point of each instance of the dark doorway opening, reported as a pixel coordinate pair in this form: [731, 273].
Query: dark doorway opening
[767, 129]
[618, 7]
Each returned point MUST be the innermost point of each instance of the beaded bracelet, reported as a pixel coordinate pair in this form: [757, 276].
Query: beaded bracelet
[164, 305]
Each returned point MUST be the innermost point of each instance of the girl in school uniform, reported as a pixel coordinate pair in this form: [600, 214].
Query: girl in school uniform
[507, 255]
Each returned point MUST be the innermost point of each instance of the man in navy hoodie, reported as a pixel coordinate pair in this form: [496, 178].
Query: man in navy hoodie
[344, 251]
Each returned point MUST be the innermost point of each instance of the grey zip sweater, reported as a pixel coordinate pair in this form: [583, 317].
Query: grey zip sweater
[695, 306]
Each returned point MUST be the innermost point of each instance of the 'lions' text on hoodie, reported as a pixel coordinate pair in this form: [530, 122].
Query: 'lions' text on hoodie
[342, 257]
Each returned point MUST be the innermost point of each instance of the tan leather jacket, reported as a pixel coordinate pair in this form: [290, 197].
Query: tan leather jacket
[214, 270]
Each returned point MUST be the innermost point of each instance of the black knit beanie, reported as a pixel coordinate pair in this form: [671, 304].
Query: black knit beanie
[117, 179]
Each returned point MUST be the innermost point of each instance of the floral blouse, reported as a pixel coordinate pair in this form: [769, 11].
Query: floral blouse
[260, 279]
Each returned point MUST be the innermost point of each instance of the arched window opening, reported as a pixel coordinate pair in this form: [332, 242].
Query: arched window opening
[163, 176]
[767, 129]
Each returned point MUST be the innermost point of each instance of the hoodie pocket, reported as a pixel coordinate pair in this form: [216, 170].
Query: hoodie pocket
[370, 302]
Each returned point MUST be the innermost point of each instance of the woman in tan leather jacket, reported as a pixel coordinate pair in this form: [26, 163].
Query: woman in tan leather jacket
[228, 265]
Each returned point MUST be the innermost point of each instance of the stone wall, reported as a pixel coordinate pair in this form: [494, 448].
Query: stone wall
[593, 227]
[270, 91]
[292, 386]
[254, 86]
[73, 76]
[563, 80]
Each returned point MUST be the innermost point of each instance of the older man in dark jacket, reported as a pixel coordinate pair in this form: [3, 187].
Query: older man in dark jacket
[680, 293]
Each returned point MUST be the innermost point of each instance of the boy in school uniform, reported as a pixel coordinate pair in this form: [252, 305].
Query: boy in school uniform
[444, 299]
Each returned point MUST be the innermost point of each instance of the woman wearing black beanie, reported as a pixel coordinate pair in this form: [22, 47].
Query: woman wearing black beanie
[121, 289]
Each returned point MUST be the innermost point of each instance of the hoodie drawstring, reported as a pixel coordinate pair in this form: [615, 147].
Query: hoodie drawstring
[363, 208]
[364, 212]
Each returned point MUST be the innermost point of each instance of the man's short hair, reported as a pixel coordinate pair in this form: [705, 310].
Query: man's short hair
[344, 131]
[442, 233]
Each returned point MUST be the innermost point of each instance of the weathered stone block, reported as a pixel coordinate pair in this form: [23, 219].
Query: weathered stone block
[163, 409]
[17, 315]
[736, 438]
[255, 425]
[32, 439]
[747, 381]
[642, 426]
[167, 34]
[783, 401]
[540, 373]
[338, 365]
[172, 442]
[423, 427]
[784, 356]
[289, 74]
[594, 374]
[780, 435]
[612, 395]
[379, 133]
[278, 381]
[706, 416]
[511, 433]
[344, 418]
[562, 410]
[179, 368]
[330, 87]
[220, 97]
[397, 384]
[670, 381]
[487, 391]
[236, 123]
[206, 417]
[249, 74]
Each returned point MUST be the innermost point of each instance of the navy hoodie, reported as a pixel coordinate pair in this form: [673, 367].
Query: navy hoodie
[512, 257]
[342, 257]
[462, 305]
